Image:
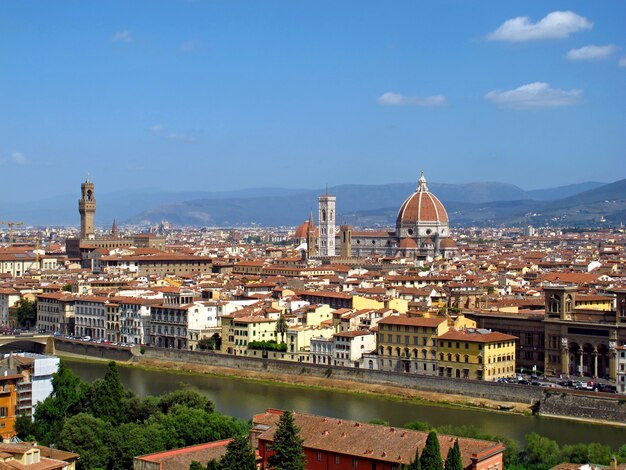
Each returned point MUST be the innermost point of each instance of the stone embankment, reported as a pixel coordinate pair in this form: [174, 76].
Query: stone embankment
[583, 406]
[471, 388]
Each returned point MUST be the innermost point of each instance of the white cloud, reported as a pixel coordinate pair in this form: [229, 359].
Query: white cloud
[555, 25]
[171, 135]
[622, 62]
[181, 137]
[592, 52]
[16, 158]
[535, 95]
[122, 36]
[394, 99]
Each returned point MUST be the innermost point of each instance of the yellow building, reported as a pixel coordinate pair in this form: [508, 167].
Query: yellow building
[476, 354]
[238, 332]
[298, 339]
[409, 343]
[593, 302]
[360, 303]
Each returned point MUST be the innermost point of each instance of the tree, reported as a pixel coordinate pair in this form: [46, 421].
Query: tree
[281, 327]
[185, 426]
[540, 452]
[195, 465]
[431, 455]
[131, 439]
[415, 464]
[67, 288]
[287, 445]
[88, 437]
[26, 313]
[213, 465]
[68, 394]
[239, 455]
[187, 398]
[453, 460]
[25, 428]
[107, 396]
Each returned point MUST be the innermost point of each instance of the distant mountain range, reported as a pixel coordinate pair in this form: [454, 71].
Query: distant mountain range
[487, 203]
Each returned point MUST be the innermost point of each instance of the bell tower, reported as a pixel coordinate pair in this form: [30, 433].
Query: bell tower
[87, 210]
[326, 221]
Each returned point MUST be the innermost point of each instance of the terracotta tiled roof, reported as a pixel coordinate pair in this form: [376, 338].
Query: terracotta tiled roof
[411, 321]
[383, 443]
[476, 337]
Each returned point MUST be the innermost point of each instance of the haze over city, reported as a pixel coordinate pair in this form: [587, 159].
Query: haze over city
[229, 95]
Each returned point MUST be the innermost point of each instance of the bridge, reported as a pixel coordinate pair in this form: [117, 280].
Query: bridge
[40, 343]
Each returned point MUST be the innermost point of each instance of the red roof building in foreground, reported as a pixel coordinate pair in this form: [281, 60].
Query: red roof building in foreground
[340, 444]
[180, 459]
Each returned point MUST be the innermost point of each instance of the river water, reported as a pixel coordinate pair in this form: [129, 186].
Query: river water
[241, 398]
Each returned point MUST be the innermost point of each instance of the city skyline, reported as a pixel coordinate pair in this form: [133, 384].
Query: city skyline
[215, 96]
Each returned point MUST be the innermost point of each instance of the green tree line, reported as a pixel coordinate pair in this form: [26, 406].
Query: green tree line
[108, 425]
[538, 453]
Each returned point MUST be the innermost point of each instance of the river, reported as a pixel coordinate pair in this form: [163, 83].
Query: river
[241, 398]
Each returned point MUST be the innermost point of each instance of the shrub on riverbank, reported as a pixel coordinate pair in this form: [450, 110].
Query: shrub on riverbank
[270, 345]
[108, 425]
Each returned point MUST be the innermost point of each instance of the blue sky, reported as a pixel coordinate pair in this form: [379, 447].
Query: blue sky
[219, 95]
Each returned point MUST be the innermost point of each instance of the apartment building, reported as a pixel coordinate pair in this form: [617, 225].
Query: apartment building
[409, 343]
[476, 354]
[56, 312]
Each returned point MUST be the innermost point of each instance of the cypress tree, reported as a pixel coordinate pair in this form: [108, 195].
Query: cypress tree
[415, 465]
[431, 456]
[239, 455]
[453, 460]
[287, 446]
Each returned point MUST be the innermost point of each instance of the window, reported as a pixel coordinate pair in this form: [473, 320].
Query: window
[355, 462]
[319, 456]
[4, 412]
[336, 459]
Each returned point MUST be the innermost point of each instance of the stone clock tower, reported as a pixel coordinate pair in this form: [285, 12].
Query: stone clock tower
[87, 209]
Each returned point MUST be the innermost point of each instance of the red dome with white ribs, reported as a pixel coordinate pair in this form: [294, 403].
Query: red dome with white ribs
[422, 207]
[302, 230]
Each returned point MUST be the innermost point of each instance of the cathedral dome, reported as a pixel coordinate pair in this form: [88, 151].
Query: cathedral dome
[422, 207]
[408, 243]
[303, 229]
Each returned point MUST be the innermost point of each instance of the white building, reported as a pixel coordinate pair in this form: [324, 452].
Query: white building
[8, 298]
[349, 347]
[36, 385]
[621, 369]
[135, 319]
[321, 351]
[90, 316]
[56, 312]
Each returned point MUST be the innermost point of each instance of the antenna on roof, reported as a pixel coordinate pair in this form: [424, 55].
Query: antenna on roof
[326, 189]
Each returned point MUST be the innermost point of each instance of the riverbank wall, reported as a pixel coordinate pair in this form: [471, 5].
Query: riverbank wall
[583, 406]
[471, 388]
[100, 351]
